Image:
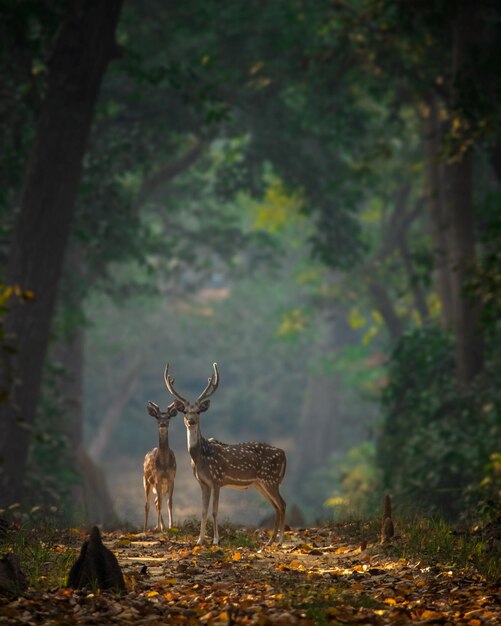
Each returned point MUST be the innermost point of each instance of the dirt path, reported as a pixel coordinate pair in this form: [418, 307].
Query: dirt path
[317, 577]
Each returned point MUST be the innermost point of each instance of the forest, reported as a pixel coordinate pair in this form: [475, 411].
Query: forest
[306, 193]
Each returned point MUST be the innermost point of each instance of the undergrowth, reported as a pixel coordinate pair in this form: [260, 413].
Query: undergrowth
[435, 541]
[46, 554]
[43, 558]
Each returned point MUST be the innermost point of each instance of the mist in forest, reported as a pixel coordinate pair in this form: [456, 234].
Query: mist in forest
[305, 193]
[272, 388]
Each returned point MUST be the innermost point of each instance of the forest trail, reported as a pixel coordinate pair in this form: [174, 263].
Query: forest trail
[317, 577]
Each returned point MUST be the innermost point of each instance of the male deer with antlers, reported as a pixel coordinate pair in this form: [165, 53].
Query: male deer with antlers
[160, 467]
[240, 465]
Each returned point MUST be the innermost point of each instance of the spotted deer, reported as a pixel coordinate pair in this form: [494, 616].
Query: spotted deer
[240, 465]
[159, 467]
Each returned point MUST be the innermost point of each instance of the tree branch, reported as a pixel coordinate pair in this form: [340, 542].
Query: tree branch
[166, 173]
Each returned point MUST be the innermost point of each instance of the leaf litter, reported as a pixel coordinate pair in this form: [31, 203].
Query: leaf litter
[316, 577]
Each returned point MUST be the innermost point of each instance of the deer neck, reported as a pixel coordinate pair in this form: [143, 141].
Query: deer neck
[195, 440]
[163, 445]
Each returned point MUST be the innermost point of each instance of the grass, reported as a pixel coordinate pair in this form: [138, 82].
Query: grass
[230, 536]
[430, 539]
[46, 557]
[320, 600]
[356, 529]
[43, 559]
[435, 541]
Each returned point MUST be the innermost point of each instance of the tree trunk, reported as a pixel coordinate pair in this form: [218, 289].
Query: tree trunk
[432, 144]
[459, 210]
[83, 48]
[417, 292]
[450, 201]
[466, 311]
[382, 302]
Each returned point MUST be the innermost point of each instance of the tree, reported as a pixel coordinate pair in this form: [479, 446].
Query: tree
[83, 48]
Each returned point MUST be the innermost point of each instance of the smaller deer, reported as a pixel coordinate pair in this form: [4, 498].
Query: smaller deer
[239, 465]
[160, 467]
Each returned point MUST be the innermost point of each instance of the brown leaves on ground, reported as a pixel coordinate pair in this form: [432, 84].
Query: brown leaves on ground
[317, 577]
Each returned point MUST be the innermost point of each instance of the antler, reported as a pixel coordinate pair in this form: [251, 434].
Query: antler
[170, 385]
[212, 385]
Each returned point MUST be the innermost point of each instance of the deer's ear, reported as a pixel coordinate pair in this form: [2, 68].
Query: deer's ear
[203, 406]
[178, 405]
[173, 408]
[153, 409]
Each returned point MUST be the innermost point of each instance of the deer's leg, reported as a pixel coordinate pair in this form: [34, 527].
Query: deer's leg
[158, 506]
[147, 491]
[169, 501]
[215, 506]
[205, 507]
[272, 494]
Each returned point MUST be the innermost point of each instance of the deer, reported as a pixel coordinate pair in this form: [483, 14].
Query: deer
[241, 465]
[159, 469]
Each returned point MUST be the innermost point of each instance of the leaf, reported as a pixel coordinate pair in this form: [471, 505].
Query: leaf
[355, 319]
[294, 321]
[429, 614]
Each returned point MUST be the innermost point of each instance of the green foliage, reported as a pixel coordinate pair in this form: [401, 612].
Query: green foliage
[26, 30]
[9, 296]
[51, 473]
[354, 482]
[484, 281]
[346, 486]
[436, 440]
[43, 559]
[306, 119]
[237, 326]
[358, 367]
[434, 541]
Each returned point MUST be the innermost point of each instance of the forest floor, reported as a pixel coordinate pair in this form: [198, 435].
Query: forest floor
[329, 575]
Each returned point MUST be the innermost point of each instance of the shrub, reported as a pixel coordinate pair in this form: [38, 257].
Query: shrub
[436, 441]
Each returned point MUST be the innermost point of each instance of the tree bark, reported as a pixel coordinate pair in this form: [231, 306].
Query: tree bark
[459, 211]
[167, 173]
[438, 226]
[382, 302]
[466, 311]
[417, 291]
[450, 201]
[83, 48]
